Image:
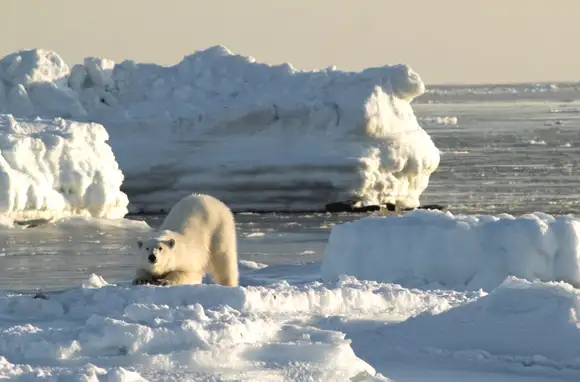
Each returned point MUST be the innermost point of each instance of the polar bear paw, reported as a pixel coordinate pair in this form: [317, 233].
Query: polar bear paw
[143, 281]
[154, 281]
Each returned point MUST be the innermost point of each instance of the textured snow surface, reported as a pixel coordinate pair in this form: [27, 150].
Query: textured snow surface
[253, 333]
[530, 323]
[283, 332]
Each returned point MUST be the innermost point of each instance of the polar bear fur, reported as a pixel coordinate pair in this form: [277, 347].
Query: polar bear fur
[198, 236]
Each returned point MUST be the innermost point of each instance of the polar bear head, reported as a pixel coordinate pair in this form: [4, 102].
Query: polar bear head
[157, 254]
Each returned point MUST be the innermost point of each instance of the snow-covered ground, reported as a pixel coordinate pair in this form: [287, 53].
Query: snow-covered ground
[260, 137]
[284, 323]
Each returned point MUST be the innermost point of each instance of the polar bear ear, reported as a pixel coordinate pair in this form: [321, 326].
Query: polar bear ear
[139, 244]
[171, 243]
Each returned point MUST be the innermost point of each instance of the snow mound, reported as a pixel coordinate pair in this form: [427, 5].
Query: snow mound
[54, 168]
[519, 322]
[259, 137]
[472, 252]
[202, 331]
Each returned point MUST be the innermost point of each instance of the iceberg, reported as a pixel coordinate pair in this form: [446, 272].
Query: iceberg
[260, 137]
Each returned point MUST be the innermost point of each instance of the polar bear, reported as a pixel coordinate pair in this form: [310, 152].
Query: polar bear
[198, 236]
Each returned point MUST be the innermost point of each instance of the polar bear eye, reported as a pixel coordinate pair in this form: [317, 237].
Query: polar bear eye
[160, 248]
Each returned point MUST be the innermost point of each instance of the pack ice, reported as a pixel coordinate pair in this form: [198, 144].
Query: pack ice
[259, 137]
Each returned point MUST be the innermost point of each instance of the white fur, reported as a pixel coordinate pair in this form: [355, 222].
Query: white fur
[197, 237]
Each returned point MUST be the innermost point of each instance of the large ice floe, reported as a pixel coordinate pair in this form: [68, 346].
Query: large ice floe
[259, 137]
[463, 251]
[56, 168]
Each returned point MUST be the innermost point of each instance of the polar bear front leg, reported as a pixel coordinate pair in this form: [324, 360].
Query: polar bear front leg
[178, 278]
[143, 277]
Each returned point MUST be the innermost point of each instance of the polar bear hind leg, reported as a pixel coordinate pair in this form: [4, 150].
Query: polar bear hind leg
[224, 257]
[224, 269]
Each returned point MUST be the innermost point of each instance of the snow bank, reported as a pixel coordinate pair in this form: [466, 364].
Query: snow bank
[198, 332]
[455, 251]
[534, 324]
[55, 168]
[282, 332]
[257, 136]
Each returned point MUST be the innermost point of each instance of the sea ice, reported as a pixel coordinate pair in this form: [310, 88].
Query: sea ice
[257, 136]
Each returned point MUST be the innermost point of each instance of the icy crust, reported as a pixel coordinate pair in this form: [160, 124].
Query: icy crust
[55, 168]
[259, 137]
[474, 251]
[202, 331]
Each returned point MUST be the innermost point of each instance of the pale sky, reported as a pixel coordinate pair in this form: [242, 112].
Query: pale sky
[445, 41]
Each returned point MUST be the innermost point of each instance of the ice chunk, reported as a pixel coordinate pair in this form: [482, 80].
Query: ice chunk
[55, 168]
[456, 251]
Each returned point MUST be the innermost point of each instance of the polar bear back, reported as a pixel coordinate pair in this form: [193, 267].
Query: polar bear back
[197, 217]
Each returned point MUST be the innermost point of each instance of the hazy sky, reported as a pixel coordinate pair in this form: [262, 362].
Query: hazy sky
[446, 41]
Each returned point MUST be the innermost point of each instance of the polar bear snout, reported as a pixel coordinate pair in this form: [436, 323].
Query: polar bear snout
[154, 255]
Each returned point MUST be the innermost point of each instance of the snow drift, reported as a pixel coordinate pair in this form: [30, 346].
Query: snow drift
[534, 324]
[455, 251]
[198, 331]
[55, 168]
[257, 136]
[282, 332]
